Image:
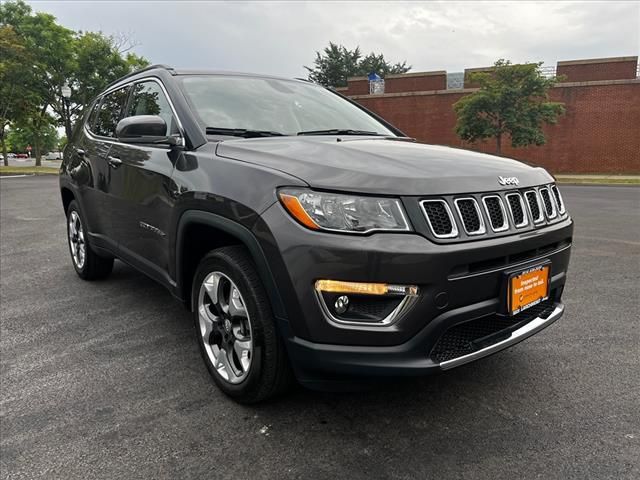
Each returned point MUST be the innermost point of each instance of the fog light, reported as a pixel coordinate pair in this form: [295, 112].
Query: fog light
[342, 303]
[368, 304]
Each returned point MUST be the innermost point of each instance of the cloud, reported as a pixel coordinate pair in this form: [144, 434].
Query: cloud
[281, 37]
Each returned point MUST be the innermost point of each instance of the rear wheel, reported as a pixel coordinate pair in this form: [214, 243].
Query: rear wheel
[235, 328]
[88, 264]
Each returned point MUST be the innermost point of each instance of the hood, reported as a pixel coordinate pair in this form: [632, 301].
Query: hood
[381, 165]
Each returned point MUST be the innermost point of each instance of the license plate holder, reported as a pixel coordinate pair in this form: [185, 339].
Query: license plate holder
[528, 287]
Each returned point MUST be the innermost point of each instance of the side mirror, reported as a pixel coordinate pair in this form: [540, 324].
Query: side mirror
[144, 129]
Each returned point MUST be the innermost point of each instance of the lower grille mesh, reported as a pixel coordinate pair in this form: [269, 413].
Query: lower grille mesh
[460, 339]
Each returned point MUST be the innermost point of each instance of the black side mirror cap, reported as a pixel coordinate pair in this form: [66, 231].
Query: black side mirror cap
[145, 129]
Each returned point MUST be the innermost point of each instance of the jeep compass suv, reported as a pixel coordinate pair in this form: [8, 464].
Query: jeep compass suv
[310, 238]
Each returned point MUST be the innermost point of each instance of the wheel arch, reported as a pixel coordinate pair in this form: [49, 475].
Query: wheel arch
[67, 198]
[190, 249]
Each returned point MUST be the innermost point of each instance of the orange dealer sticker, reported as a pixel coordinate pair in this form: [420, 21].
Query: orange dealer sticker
[528, 288]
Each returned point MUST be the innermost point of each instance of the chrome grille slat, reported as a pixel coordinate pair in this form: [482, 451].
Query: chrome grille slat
[440, 218]
[559, 200]
[496, 213]
[517, 209]
[535, 209]
[470, 215]
[549, 204]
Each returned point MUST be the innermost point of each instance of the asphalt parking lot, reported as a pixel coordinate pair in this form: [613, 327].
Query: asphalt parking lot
[104, 380]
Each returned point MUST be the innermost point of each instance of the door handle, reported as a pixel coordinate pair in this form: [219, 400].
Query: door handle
[79, 151]
[115, 162]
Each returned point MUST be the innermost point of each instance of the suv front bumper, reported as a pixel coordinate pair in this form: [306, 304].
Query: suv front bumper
[472, 275]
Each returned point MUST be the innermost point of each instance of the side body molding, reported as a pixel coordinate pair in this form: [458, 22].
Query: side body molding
[246, 237]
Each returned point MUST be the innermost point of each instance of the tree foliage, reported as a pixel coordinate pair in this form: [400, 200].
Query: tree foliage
[512, 100]
[38, 57]
[336, 63]
[24, 133]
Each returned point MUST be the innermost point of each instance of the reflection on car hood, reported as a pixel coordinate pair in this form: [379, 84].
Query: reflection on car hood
[381, 165]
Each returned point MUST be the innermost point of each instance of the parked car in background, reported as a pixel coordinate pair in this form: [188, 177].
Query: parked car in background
[53, 156]
[22, 155]
[309, 237]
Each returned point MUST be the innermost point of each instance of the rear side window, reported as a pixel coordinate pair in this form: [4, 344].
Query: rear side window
[91, 119]
[148, 98]
[109, 113]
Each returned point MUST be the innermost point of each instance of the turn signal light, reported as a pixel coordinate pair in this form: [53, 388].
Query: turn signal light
[337, 286]
[292, 204]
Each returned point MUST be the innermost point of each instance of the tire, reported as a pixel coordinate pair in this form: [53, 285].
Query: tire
[257, 367]
[87, 264]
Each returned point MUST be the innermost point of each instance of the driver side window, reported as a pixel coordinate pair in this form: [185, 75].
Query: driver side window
[148, 98]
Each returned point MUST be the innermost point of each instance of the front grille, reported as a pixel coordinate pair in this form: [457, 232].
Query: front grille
[471, 336]
[549, 207]
[516, 207]
[492, 214]
[470, 216]
[534, 206]
[440, 218]
[496, 213]
[559, 201]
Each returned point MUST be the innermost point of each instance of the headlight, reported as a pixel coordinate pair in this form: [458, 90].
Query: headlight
[344, 213]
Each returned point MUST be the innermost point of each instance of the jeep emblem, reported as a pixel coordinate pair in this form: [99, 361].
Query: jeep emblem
[508, 181]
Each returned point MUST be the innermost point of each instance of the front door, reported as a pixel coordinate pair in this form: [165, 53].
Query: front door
[142, 188]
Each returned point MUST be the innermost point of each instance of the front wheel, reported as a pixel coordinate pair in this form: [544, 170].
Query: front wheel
[235, 328]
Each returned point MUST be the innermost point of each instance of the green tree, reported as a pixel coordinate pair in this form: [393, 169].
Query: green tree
[39, 133]
[98, 61]
[15, 96]
[512, 100]
[336, 63]
[57, 56]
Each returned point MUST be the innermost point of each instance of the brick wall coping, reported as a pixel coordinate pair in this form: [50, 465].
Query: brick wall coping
[594, 83]
[416, 74]
[597, 60]
[479, 69]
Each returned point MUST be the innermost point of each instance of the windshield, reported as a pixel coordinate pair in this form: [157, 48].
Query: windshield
[266, 104]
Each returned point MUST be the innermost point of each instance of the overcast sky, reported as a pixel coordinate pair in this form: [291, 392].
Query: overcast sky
[281, 37]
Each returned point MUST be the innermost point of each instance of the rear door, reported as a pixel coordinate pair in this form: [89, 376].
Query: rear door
[142, 187]
[98, 138]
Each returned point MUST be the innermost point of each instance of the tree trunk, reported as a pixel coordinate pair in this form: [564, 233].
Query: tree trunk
[36, 151]
[4, 149]
[499, 144]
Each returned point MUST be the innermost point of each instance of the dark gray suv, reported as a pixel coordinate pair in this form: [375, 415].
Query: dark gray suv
[310, 238]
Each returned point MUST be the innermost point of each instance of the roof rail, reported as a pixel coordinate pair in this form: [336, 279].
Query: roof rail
[150, 67]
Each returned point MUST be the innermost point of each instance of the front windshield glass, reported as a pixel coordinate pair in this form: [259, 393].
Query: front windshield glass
[283, 106]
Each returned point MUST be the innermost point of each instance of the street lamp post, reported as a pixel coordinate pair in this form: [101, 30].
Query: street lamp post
[66, 94]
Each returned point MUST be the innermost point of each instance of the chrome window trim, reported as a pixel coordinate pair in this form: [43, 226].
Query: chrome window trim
[554, 211]
[541, 208]
[454, 226]
[561, 207]
[130, 84]
[482, 230]
[505, 221]
[525, 216]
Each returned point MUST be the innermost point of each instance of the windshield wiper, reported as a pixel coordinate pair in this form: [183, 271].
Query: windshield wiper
[242, 132]
[341, 131]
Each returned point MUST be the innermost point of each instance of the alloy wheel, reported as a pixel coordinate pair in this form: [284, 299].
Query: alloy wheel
[76, 240]
[225, 327]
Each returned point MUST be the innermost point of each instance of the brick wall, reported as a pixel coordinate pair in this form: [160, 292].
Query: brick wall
[600, 132]
[598, 69]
